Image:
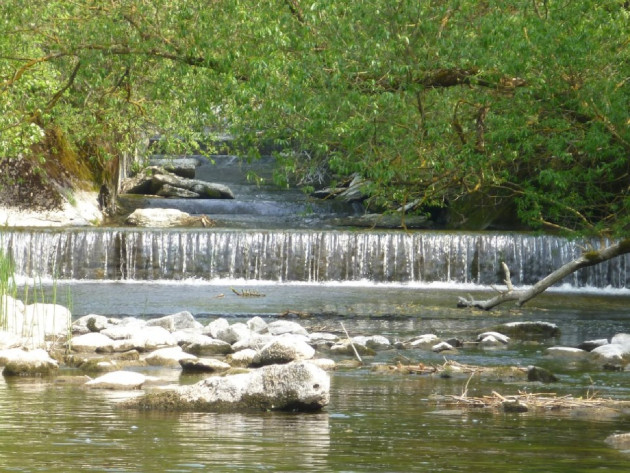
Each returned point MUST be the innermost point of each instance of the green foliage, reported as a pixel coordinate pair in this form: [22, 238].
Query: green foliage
[428, 101]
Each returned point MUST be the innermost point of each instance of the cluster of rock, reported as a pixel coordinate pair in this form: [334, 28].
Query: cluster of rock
[611, 354]
[32, 325]
[155, 180]
[252, 365]
[158, 181]
[274, 361]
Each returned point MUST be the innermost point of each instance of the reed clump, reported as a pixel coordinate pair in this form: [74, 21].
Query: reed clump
[7, 286]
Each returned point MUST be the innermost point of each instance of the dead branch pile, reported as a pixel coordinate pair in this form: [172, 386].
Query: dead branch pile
[524, 401]
[449, 366]
[247, 293]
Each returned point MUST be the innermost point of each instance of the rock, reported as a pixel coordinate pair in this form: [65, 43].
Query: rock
[9, 340]
[566, 353]
[179, 321]
[205, 190]
[202, 345]
[619, 441]
[423, 341]
[123, 346]
[611, 353]
[490, 341]
[324, 363]
[183, 167]
[375, 342]
[536, 373]
[286, 326]
[257, 325]
[38, 322]
[141, 182]
[216, 326]
[317, 337]
[154, 179]
[255, 342]
[455, 342]
[186, 336]
[442, 346]
[13, 310]
[81, 210]
[90, 323]
[126, 329]
[295, 386]
[158, 218]
[129, 355]
[203, 365]
[513, 405]
[353, 193]
[344, 347]
[494, 337]
[283, 350]
[621, 339]
[241, 358]
[590, 345]
[36, 362]
[152, 338]
[120, 380]
[99, 366]
[173, 192]
[90, 342]
[234, 333]
[528, 330]
[172, 356]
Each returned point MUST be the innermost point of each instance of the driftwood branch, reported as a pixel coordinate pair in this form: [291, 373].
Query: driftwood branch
[590, 258]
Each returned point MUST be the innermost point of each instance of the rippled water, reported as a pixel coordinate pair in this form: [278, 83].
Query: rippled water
[376, 422]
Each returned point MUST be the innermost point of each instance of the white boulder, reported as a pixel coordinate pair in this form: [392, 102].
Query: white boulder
[283, 350]
[294, 386]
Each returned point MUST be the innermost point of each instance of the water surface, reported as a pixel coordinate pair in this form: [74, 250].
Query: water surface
[375, 422]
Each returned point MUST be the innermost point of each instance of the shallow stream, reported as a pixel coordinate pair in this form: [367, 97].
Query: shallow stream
[376, 422]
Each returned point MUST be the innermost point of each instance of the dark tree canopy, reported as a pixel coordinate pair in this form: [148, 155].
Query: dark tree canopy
[433, 103]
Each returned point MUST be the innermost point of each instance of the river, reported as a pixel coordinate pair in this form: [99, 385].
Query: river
[396, 284]
[376, 422]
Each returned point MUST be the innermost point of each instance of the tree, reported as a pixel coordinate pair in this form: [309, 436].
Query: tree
[432, 103]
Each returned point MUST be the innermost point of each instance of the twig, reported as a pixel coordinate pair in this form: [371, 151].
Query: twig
[351, 344]
[465, 391]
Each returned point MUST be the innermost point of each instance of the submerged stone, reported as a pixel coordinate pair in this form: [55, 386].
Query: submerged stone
[566, 353]
[121, 380]
[203, 365]
[536, 373]
[527, 330]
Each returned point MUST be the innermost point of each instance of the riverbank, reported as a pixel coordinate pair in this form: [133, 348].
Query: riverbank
[79, 209]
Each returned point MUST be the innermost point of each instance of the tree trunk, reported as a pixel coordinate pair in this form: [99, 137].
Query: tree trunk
[589, 258]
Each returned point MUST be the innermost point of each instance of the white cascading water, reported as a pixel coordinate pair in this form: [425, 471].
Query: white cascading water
[301, 256]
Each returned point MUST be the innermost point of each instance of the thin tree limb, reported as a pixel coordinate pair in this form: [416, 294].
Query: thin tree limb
[589, 258]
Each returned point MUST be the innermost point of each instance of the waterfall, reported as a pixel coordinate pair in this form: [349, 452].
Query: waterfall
[305, 256]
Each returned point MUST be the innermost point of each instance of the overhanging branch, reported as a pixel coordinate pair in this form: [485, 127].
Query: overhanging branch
[590, 258]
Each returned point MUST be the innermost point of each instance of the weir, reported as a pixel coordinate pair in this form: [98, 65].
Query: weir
[300, 256]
